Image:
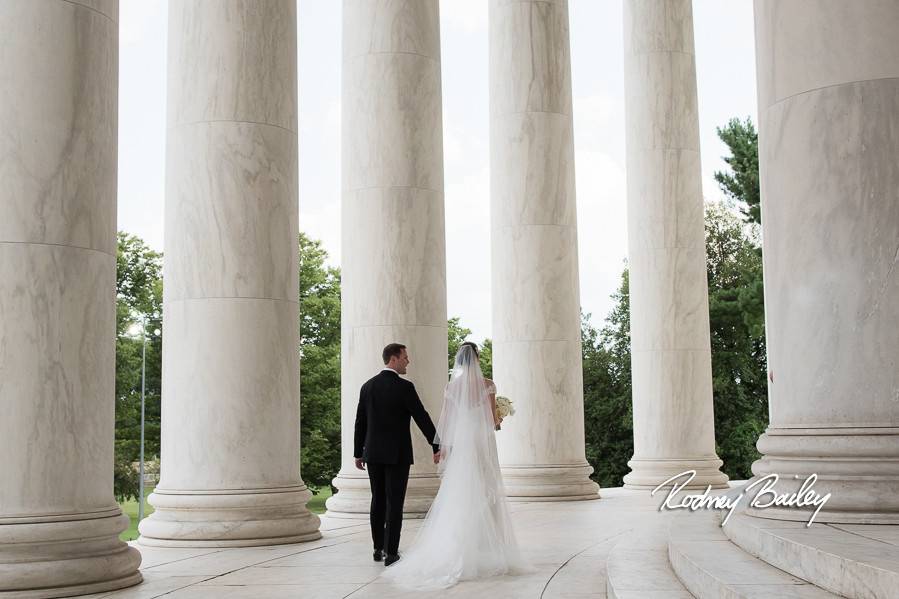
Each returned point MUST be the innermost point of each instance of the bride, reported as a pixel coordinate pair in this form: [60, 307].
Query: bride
[467, 532]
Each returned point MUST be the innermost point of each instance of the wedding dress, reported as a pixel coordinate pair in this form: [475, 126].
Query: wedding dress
[467, 532]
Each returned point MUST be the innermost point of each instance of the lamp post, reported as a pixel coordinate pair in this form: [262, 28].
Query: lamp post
[143, 393]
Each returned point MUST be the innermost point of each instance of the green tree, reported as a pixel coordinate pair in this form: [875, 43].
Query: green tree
[742, 182]
[736, 318]
[486, 358]
[138, 312]
[455, 335]
[736, 304]
[320, 376]
[139, 286]
[608, 409]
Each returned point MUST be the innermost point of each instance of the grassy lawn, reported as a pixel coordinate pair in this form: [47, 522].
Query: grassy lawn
[315, 505]
[130, 509]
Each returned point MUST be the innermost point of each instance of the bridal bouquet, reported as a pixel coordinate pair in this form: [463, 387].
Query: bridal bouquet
[503, 408]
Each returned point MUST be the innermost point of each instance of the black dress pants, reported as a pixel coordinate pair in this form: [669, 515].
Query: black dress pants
[388, 492]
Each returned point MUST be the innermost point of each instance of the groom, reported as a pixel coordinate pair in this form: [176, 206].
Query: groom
[383, 441]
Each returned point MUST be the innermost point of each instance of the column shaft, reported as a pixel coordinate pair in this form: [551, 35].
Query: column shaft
[393, 253]
[828, 85]
[59, 521]
[536, 304]
[230, 412]
[671, 364]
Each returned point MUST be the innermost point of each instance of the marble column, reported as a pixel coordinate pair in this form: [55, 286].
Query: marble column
[671, 363]
[393, 251]
[536, 304]
[59, 521]
[828, 87]
[230, 396]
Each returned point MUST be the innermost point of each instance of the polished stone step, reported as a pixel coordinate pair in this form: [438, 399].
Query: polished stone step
[638, 568]
[859, 561]
[710, 566]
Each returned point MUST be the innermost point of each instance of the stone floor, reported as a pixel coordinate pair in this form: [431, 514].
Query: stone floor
[571, 544]
[566, 542]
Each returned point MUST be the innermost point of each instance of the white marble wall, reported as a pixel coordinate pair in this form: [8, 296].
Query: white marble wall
[58, 139]
[536, 308]
[670, 345]
[828, 84]
[230, 436]
[393, 254]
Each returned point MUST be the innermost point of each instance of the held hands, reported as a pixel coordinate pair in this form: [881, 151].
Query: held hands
[437, 456]
[360, 464]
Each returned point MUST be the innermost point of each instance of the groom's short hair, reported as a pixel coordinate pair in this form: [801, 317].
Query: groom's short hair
[393, 349]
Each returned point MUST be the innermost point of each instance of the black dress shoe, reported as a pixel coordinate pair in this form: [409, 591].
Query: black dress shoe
[391, 559]
[378, 555]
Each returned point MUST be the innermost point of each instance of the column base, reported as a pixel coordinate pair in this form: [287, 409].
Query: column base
[549, 482]
[650, 473]
[229, 518]
[66, 555]
[353, 497]
[859, 467]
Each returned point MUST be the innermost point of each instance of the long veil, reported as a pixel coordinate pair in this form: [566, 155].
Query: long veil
[467, 532]
[466, 421]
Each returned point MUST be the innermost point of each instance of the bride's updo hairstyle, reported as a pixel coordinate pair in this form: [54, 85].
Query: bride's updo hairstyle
[473, 346]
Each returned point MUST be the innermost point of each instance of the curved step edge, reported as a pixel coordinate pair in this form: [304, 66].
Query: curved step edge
[638, 568]
[858, 561]
[711, 567]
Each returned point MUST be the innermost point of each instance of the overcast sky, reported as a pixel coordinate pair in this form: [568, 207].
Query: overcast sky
[726, 82]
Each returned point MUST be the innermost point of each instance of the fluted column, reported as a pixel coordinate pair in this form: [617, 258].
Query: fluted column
[59, 521]
[230, 397]
[393, 253]
[828, 86]
[671, 364]
[536, 304]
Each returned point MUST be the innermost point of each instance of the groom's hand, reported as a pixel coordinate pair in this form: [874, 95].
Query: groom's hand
[360, 464]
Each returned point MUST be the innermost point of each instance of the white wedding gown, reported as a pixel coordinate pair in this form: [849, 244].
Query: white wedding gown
[467, 532]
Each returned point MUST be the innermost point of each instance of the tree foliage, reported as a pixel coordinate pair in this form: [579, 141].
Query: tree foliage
[741, 184]
[456, 334]
[139, 288]
[138, 314]
[486, 358]
[608, 410]
[736, 318]
[736, 313]
[320, 366]
[736, 304]
[737, 328]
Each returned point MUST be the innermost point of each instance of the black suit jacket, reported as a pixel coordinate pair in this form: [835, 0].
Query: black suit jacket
[386, 403]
